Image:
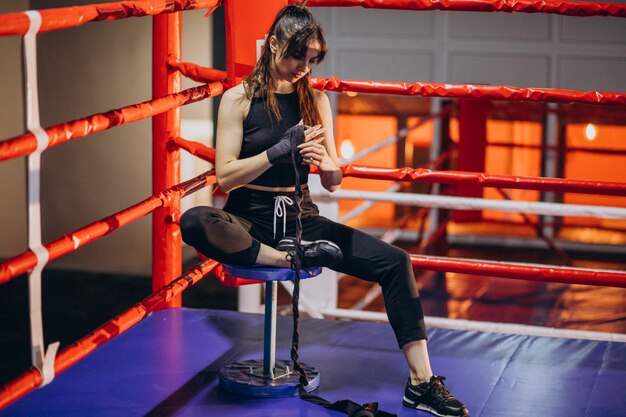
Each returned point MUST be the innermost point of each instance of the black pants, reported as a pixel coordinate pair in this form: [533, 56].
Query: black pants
[235, 238]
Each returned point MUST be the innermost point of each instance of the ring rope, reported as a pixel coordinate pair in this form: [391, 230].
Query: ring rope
[366, 205]
[492, 92]
[482, 326]
[25, 144]
[67, 17]
[470, 203]
[195, 148]
[446, 90]
[451, 177]
[30, 380]
[196, 72]
[523, 271]
[569, 8]
[487, 180]
[20, 264]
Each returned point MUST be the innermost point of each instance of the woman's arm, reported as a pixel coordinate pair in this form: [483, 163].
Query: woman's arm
[330, 170]
[231, 171]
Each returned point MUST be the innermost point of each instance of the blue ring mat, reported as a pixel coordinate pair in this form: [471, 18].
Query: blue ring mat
[168, 365]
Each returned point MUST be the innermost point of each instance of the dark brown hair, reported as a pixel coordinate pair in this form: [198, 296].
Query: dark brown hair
[294, 28]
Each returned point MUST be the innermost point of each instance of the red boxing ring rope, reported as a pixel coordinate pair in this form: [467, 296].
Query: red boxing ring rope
[526, 272]
[490, 92]
[486, 180]
[67, 17]
[195, 148]
[197, 72]
[448, 177]
[27, 143]
[570, 8]
[30, 380]
[20, 264]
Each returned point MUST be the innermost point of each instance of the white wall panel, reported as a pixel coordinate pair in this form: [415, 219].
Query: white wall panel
[13, 207]
[383, 23]
[517, 27]
[603, 74]
[384, 65]
[593, 29]
[516, 70]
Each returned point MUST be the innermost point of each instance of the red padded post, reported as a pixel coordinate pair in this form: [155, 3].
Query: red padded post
[247, 23]
[471, 151]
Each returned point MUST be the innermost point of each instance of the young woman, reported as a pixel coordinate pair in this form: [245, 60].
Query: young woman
[257, 124]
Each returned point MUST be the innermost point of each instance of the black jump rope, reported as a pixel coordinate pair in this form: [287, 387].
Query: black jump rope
[351, 408]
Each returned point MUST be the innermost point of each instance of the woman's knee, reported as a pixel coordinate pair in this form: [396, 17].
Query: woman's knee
[196, 219]
[398, 264]
[397, 257]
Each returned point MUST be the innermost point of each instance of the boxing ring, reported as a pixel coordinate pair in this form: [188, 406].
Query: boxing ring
[159, 359]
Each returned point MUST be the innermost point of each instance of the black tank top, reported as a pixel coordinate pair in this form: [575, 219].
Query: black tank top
[260, 132]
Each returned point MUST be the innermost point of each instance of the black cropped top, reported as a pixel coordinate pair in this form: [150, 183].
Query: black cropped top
[260, 132]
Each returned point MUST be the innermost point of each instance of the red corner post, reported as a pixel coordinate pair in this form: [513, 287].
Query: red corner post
[471, 151]
[166, 239]
[247, 23]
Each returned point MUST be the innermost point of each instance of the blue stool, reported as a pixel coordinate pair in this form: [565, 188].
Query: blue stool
[267, 377]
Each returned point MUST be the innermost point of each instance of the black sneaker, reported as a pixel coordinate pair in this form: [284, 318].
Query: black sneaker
[434, 397]
[316, 253]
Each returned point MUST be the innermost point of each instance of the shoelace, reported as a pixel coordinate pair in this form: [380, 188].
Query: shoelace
[280, 210]
[440, 388]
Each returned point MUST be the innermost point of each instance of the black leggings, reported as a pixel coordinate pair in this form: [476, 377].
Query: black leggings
[234, 239]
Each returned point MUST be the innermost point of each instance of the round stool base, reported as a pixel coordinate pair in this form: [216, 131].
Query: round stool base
[246, 378]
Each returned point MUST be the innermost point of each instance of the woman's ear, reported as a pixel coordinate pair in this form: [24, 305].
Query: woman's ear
[273, 44]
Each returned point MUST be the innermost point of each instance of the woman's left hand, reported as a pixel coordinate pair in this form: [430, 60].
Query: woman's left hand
[314, 152]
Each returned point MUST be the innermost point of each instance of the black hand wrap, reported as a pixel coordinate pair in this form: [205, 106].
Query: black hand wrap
[348, 407]
[281, 152]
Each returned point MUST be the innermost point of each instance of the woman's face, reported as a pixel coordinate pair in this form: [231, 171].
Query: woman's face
[293, 68]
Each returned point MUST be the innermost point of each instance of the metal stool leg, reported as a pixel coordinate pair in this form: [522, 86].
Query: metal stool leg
[267, 377]
[269, 335]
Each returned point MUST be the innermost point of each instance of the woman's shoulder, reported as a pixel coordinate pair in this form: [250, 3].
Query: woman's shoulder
[237, 92]
[321, 98]
[235, 98]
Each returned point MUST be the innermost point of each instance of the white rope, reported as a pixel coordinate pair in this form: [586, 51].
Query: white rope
[466, 203]
[483, 326]
[43, 361]
[363, 207]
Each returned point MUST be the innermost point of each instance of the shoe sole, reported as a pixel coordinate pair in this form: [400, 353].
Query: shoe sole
[423, 407]
[306, 242]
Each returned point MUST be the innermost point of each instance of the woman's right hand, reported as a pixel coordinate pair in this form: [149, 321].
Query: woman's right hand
[312, 132]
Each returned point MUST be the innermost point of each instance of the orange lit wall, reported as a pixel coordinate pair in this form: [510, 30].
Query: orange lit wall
[420, 137]
[363, 132]
[509, 160]
[601, 167]
[512, 161]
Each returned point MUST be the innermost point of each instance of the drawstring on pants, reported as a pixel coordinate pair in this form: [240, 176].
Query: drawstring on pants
[280, 210]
